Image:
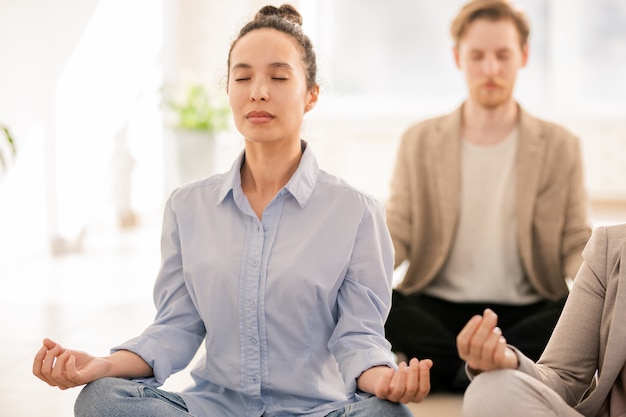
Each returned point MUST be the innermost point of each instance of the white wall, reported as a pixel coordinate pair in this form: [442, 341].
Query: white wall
[356, 140]
[36, 39]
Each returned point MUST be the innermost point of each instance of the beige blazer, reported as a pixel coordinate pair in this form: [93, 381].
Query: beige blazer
[591, 333]
[551, 201]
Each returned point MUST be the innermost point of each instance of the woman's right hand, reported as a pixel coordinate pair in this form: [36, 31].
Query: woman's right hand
[64, 368]
[481, 344]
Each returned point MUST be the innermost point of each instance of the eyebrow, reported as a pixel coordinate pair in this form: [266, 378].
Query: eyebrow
[281, 65]
[499, 50]
[272, 65]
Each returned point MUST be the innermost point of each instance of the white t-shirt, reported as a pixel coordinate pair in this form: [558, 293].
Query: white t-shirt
[484, 263]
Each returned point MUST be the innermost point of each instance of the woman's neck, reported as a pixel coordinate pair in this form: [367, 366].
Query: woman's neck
[266, 170]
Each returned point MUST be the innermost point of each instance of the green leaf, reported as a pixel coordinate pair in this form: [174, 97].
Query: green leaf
[197, 108]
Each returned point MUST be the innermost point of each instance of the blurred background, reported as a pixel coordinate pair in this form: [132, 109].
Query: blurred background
[97, 126]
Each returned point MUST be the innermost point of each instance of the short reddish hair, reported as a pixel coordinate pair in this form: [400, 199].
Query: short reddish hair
[491, 10]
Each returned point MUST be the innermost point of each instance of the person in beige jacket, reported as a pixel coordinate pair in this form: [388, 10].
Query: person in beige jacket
[582, 371]
[487, 205]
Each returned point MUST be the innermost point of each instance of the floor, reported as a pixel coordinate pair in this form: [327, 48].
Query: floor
[92, 299]
[85, 301]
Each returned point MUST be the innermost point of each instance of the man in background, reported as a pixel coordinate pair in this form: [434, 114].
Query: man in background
[487, 204]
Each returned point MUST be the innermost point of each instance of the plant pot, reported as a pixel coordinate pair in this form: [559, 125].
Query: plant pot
[190, 156]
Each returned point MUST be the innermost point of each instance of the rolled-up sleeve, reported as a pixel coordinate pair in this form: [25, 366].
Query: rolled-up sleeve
[171, 341]
[358, 341]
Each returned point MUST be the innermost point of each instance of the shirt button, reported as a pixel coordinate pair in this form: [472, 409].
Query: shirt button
[250, 303]
[255, 378]
[253, 341]
[254, 262]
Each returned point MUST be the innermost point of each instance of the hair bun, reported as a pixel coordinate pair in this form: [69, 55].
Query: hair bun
[286, 11]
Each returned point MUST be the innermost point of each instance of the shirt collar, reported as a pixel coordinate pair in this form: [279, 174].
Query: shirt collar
[303, 181]
[300, 185]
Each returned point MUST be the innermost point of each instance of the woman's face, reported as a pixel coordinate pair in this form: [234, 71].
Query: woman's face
[267, 86]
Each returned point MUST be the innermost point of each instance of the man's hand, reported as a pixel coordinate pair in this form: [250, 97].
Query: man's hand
[482, 345]
[410, 383]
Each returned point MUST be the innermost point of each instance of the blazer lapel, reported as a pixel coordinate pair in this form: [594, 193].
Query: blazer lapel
[528, 167]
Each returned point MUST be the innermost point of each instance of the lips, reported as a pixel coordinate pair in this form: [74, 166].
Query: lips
[492, 84]
[259, 117]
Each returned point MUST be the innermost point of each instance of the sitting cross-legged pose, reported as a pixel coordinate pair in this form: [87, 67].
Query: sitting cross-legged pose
[281, 269]
[487, 206]
[582, 371]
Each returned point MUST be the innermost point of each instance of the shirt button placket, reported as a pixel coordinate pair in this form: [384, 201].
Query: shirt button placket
[251, 303]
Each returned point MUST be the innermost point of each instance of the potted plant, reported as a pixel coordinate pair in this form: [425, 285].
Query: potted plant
[196, 108]
[195, 113]
[7, 150]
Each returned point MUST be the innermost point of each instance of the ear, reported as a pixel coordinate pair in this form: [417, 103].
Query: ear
[457, 61]
[312, 96]
[524, 55]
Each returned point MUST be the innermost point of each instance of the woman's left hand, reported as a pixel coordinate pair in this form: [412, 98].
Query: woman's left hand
[410, 383]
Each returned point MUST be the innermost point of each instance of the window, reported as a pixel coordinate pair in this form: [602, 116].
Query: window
[385, 65]
[603, 50]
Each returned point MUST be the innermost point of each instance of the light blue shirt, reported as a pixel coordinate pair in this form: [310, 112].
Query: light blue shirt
[291, 308]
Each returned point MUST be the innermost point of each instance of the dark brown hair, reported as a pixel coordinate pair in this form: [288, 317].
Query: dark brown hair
[285, 19]
[493, 10]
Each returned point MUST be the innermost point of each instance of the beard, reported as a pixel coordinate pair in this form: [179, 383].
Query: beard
[491, 93]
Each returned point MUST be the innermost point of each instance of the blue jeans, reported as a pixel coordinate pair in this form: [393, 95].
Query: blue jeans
[372, 407]
[116, 397]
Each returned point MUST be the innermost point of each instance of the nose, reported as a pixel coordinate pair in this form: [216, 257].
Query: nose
[490, 65]
[259, 91]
